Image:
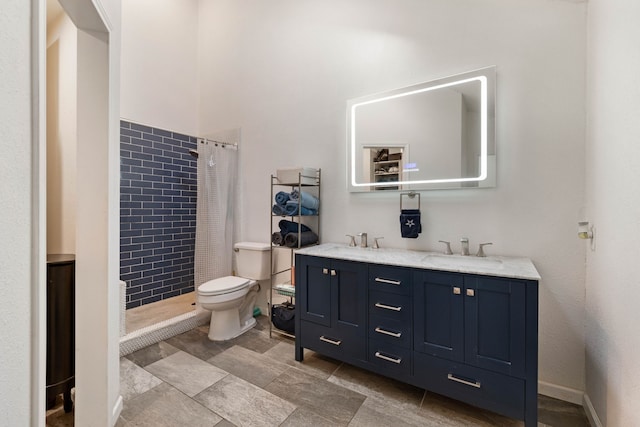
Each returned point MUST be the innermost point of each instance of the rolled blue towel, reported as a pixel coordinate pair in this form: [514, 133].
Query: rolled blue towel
[279, 210]
[281, 198]
[291, 208]
[307, 200]
[410, 225]
[277, 238]
[291, 227]
[306, 238]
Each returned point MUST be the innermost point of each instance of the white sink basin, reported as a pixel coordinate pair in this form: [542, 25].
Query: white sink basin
[464, 262]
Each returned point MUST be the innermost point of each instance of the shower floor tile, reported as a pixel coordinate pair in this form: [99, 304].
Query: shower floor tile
[156, 312]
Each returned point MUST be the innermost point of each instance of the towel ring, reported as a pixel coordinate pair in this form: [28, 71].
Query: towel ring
[411, 195]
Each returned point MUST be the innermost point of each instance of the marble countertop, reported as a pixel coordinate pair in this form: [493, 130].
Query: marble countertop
[513, 267]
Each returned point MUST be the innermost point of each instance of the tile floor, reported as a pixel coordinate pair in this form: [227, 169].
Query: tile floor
[254, 380]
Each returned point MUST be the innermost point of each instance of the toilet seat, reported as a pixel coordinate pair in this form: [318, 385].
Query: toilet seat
[223, 285]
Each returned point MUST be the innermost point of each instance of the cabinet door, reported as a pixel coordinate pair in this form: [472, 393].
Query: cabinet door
[314, 287]
[495, 329]
[438, 314]
[349, 296]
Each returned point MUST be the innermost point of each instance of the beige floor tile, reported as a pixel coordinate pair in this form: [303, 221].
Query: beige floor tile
[134, 380]
[248, 365]
[186, 372]
[165, 406]
[377, 386]
[245, 404]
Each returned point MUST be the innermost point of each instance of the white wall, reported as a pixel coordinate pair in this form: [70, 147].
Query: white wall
[159, 64]
[62, 63]
[283, 70]
[613, 206]
[15, 211]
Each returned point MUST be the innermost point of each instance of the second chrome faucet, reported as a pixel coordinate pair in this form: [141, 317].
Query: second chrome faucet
[464, 244]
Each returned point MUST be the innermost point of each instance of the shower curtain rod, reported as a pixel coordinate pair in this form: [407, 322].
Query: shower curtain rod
[213, 141]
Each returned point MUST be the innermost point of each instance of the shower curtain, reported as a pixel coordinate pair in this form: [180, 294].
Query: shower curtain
[215, 211]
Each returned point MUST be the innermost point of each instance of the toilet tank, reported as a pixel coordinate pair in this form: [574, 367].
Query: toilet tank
[253, 260]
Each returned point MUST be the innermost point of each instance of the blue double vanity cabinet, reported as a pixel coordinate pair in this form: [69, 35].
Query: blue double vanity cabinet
[463, 327]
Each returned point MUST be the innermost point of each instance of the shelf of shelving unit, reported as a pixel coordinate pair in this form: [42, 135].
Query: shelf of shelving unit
[284, 288]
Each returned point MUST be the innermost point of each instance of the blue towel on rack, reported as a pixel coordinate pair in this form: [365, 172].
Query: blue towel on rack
[410, 225]
[307, 200]
[306, 238]
[291, 209]
[279, 210]
[291, 227]
[281, 198]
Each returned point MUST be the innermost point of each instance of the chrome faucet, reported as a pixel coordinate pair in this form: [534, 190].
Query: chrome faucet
[481, 250]
[352, 241]
[363, 240]
[465, 246]
[375, 242]
[447, 250]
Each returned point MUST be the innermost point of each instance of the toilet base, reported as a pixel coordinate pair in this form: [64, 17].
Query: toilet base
[220, 330]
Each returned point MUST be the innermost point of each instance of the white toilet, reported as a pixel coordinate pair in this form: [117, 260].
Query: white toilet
[231, 298]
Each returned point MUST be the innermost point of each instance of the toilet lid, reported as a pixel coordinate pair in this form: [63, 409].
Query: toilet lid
[222, 285]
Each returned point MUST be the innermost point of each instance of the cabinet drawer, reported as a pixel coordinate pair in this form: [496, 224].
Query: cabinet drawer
[390, 306]
[341, 344]
[490, 390]
[392, 331]
[390, 279]
[389, 358]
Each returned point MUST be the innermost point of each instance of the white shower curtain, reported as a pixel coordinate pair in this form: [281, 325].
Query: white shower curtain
[215, 211]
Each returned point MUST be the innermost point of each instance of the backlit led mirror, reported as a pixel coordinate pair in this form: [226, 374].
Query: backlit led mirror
[434, 135]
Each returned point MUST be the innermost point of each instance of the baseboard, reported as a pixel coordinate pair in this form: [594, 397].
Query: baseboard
[560, 392]
[591, 412]
[117, 409]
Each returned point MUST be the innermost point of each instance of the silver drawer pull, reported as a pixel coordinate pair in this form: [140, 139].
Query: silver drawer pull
[330, 341]
[384, 331]
[387, 358]
[325, 271]
[333, 272]
[461, 381]
[388, 307]
[387, 281]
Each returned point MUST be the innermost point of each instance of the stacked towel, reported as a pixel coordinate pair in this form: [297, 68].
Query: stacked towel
[291, 208]
[279, 210]
[288, 235]
[306, 238]
[291, 227]
[295, 203]
[277, 238]
[307, 200]
[410, 225]
[281, 198]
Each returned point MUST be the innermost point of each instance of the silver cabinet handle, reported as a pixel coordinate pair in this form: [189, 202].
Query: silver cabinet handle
[388, 307]
[333, 272]
[330, 341]
[470, 292]
[456, 290]
[390, 282]
[387, 358]
[461, 381]
[385, 332]
[325, 271]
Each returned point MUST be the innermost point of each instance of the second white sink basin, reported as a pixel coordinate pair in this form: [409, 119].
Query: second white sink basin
[459, 261]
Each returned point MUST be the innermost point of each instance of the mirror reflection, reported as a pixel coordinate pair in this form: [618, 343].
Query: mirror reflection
[434, 135]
